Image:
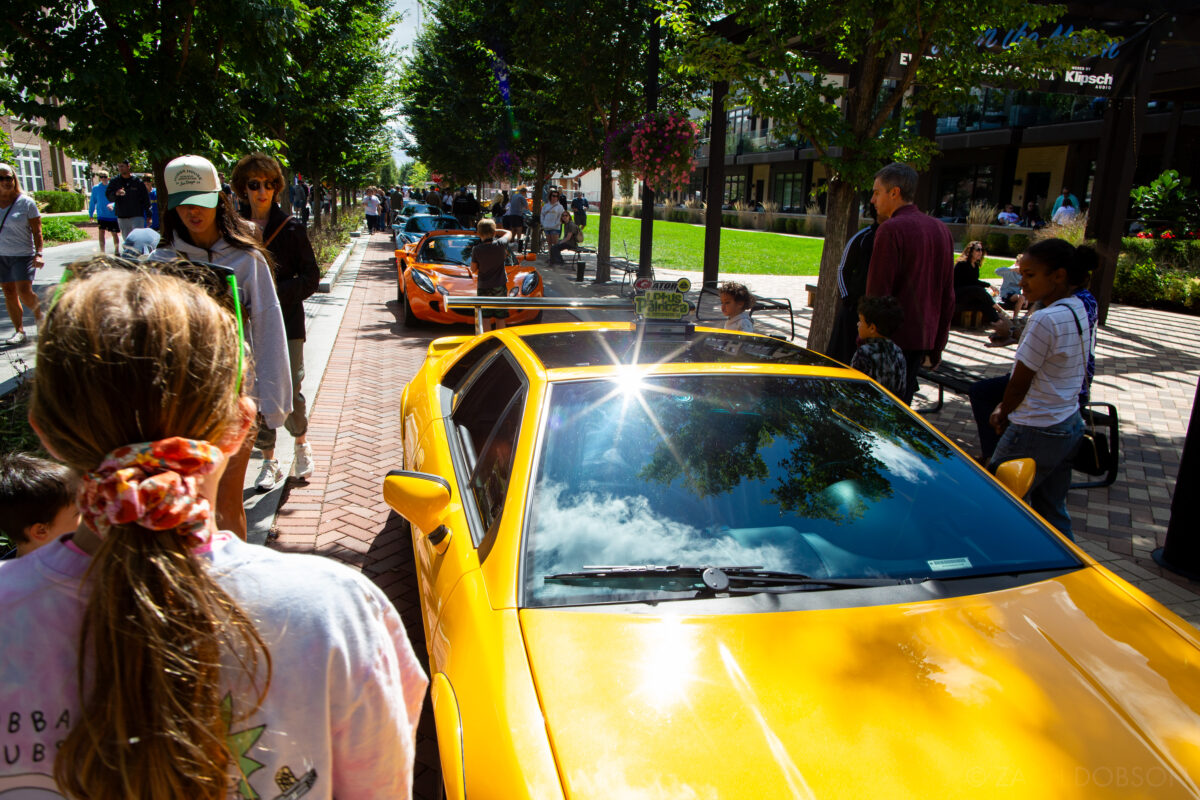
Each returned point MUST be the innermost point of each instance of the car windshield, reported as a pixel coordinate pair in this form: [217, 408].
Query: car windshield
[819, 477]
[448, 250]
[425, 223]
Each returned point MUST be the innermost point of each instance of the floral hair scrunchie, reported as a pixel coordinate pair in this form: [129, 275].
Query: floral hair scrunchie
[151, 484]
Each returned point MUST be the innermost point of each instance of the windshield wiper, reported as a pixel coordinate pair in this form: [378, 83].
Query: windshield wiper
[691, 578]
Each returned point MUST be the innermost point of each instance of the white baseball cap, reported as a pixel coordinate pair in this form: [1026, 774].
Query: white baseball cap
[192, 180]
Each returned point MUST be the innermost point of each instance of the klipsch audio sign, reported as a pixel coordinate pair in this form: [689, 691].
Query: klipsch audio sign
[1095, 76]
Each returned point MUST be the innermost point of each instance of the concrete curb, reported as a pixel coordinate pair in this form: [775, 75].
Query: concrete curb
[335, 269]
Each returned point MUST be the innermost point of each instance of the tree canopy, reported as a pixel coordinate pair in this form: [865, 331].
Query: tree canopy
[218, 78]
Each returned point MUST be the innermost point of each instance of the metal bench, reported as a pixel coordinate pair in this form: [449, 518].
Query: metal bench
[628, 269]
[947, 376]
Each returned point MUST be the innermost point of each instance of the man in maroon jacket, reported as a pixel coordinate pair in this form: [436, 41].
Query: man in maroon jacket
[913, 261]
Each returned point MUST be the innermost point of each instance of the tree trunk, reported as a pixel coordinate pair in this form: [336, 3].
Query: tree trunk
[318, 194]
[285, 194]
[535, 239]
[839, 217]
[333, 207]
[604, 232]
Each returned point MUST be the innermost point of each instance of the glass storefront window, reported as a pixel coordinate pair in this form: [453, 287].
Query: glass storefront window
[789, 191]
[961, 185]
[735, 188]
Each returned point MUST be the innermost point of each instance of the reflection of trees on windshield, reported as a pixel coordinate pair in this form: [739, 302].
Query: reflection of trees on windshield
[837, 443]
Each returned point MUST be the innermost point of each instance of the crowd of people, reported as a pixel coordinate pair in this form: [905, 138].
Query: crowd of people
[900, 288]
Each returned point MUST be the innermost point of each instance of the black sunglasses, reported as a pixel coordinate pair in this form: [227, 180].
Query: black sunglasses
[253, 185]
[7, 179]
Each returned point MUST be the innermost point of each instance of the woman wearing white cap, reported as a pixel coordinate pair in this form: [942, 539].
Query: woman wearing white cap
[202, 225]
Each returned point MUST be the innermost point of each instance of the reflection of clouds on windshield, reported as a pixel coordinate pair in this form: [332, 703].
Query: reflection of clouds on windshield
[603, 530]
[900, 461]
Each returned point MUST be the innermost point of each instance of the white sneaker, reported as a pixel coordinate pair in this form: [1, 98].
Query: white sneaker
[304, 462]
[269, 475]
[18, 338]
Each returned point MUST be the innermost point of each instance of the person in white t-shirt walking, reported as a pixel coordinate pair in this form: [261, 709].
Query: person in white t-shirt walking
[371, 209]
[1039, 416]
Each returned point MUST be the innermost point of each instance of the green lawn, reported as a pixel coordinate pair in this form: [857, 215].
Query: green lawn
[678, 245]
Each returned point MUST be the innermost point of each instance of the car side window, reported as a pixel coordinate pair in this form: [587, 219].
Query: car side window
[490, 477]
[484, 422]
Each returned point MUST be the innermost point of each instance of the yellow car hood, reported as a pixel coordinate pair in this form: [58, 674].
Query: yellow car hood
[1067, 688]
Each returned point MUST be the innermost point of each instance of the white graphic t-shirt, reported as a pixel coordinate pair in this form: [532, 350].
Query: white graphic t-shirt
[339, 718]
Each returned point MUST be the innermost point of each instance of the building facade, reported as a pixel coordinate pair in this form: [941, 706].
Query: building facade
[1003, 145]
[42, 166]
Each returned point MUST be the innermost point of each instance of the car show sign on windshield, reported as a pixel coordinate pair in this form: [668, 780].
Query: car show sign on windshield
[661, 299]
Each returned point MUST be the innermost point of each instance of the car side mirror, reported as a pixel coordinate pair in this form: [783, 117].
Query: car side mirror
[423, 500]
[1017, 475]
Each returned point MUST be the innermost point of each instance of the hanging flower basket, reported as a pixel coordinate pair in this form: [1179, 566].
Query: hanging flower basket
[505, 165]
[659, 148]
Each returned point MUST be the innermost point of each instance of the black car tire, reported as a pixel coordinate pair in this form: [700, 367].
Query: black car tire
[410, 319]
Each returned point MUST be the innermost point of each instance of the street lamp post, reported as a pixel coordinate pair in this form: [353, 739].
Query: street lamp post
[646, 252]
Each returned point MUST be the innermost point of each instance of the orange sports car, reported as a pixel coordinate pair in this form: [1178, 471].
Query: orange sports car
[438, 265]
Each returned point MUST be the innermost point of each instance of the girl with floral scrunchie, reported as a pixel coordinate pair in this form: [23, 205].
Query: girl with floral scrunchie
[150, 654]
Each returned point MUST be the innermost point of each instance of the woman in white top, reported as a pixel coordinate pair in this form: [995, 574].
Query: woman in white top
[20, 251]
[1039, 416]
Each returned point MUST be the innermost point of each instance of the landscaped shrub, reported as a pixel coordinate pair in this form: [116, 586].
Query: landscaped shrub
[59, 202]
[1018, 243]
[1137, 281]
[997, 243]
[729, 220]
[1181, 254]
[59, 230]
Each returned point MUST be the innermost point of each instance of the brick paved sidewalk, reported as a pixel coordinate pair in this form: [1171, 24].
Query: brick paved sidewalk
[354, 430]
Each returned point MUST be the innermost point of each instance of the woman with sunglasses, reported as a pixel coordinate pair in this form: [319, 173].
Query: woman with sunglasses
[20, 252]
[201, 225]
[258, 182]
[150, 654]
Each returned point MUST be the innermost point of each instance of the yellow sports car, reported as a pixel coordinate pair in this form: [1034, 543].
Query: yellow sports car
[667, 562]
